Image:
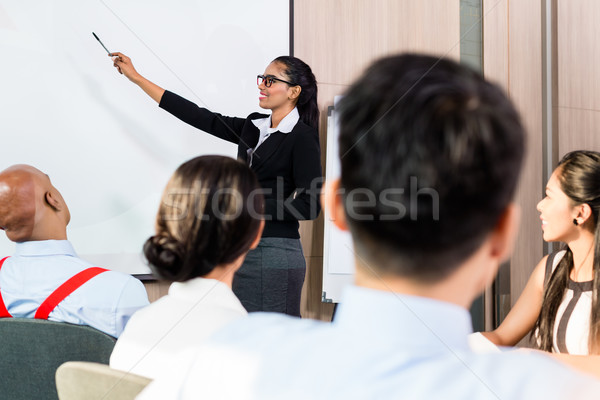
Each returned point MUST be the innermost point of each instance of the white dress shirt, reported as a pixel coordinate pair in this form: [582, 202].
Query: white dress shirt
[286, 125]
[105, 302]
[382, 345]
[189, 313]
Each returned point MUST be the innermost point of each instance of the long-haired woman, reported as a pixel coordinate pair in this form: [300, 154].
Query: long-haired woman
[283, 149]
[560, 304]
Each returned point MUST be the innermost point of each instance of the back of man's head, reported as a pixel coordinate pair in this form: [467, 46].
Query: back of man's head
[31, 208]
[430, 157]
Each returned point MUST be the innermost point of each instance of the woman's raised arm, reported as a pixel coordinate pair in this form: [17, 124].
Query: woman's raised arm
[125, 67]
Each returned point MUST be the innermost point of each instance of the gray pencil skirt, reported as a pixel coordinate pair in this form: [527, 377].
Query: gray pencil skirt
[272, 276]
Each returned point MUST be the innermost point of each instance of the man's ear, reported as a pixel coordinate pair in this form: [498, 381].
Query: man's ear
[53, 201]
[505, 233]
[258, 235]
[334, 204]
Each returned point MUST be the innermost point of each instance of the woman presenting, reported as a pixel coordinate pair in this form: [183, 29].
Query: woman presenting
[283, 150]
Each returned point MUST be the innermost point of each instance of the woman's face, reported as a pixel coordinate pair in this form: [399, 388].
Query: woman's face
[557, 212]
[278, 93]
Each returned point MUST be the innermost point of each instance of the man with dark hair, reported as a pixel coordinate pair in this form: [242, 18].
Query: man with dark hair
[430, 155]
[451, 141]
[44, 278]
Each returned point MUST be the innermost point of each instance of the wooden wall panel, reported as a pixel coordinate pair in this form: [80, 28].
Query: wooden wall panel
[578, 56]
[495, 69]
[312, 289]
[578, 129]
[338, 39]
[525, 80]
[156, 289]
[513, 58]
[495, 42]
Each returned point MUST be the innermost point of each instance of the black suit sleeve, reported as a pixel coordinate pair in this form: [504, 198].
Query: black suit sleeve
[304, 204]
[226, 128]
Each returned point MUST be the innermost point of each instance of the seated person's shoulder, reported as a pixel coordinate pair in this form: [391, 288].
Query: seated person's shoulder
[121, 277]
[125, 289]
[262, 328]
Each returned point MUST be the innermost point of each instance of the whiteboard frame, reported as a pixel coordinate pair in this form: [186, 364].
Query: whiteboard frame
[338, 250]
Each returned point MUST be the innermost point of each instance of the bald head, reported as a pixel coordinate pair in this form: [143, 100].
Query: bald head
[30, 207]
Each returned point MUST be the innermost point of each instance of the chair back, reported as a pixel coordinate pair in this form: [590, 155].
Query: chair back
[31, 351]
[77, 380]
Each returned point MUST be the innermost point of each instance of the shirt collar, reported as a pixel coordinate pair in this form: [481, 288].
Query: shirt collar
[45, 248]
[285, 126]
[198, 287]
[402, 318]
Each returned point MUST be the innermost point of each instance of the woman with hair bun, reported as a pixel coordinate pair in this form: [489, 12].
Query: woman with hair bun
[283, 149]
[210, 216]
[560, 305]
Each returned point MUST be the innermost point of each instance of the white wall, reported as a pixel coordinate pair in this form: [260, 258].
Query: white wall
[106, 146]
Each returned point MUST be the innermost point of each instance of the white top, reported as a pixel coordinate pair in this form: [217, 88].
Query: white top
[285, 126]
[572, 323]
[105, 302]
[189, 313]
[381, 345]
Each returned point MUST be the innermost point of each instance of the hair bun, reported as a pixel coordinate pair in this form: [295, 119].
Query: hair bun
[165, 256]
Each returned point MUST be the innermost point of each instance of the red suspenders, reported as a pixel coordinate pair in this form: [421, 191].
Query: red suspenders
[59, 294]
[66, 289]
[3, 311]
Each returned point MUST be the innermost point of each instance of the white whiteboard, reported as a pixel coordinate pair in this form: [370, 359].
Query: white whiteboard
[106, 146]
[338, 250]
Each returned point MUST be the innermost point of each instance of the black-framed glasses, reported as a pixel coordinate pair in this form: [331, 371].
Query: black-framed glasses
[269, 79]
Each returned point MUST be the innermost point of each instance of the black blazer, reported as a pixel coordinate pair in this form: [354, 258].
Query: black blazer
[288, 166]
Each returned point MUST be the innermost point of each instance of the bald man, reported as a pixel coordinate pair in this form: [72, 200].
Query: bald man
[45, 279]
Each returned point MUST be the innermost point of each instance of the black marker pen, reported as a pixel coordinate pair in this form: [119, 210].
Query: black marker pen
[100, 41]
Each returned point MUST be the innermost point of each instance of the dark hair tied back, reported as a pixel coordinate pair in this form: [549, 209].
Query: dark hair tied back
[165, 256]
[210, 215]
[300, 73]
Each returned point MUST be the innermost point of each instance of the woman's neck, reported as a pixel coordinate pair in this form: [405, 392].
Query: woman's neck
[279, 114]
[583, 256]
[224, 272]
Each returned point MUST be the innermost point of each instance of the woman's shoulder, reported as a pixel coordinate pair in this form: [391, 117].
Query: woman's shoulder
[302, 127]
[256, 115]
[555, 257]
[550, 262]
[303, 133]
